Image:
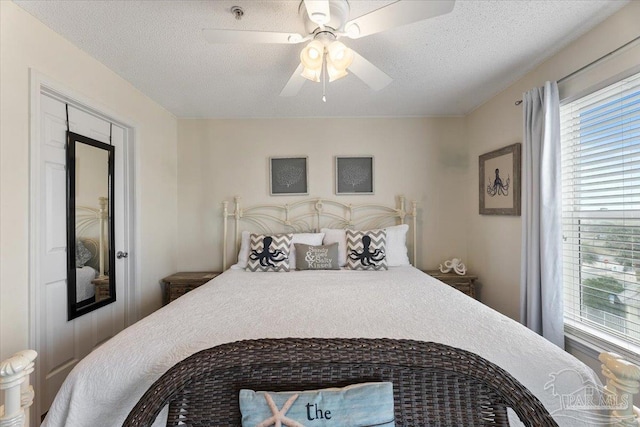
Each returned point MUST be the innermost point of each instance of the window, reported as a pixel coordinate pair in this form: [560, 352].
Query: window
[601, 213]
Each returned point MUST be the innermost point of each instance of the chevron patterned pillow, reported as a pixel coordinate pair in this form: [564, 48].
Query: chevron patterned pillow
[366, 250]
[269, 252]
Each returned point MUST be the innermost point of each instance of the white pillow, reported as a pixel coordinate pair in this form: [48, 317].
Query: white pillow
[397, 253]
[339, 236]
[243, 255]
[313, 239]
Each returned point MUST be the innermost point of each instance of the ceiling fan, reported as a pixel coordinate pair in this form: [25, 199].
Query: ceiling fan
[327, 21]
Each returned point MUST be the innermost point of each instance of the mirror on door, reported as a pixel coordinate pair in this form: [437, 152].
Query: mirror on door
[90, 231]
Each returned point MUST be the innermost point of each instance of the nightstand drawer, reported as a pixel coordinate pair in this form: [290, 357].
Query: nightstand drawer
[179, 284]
[465, 284]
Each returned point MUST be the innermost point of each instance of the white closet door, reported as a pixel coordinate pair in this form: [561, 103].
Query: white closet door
[63, 343]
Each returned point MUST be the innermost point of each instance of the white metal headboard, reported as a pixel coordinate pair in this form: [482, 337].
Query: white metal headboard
[89, 217]
[309, 215]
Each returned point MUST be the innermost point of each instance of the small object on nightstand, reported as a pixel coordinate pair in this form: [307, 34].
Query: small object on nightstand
[179, 284]
[102, 290]
[456, 265]
[465, 284]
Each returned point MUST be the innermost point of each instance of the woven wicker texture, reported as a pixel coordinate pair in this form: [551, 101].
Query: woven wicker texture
[433, 384]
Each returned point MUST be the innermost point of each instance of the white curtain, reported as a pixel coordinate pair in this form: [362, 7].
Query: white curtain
[541, 271]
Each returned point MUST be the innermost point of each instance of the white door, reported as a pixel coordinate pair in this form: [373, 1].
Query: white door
[63, 343]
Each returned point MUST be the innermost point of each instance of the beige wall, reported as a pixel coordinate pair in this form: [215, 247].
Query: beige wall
[425, 159]
[26, 43]
[494, 241]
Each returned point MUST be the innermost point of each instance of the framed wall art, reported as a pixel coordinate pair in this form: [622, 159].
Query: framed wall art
[288, 176]
[354, 175]
[500, 181]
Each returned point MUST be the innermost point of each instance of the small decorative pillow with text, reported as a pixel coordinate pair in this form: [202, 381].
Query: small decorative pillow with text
[269, 252]
[366, 250]
[358, 405]
[310, 257]
[306, 238]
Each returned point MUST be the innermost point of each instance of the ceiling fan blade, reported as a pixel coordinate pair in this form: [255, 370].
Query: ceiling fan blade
[318, 11]
[295, 83]
[239, 36]
[395, 15]
[373, 76]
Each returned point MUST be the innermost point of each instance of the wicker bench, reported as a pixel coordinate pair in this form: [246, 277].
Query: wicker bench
[433, 384]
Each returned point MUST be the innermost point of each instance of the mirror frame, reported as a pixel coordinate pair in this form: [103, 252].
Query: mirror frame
[76, 309]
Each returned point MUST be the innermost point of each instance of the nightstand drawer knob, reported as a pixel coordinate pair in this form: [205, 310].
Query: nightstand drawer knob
[121, 254]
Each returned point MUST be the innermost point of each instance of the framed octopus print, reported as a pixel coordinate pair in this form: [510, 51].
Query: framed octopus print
[288, 176]
[500, 181]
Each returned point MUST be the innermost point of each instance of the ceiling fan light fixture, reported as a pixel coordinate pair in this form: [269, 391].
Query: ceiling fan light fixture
[312, 55]
[340, 56]
[312, 74]
[334, 72]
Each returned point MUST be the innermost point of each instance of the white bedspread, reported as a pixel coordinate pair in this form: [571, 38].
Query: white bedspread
[400, 303]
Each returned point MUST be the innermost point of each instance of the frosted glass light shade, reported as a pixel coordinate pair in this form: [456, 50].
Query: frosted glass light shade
[311, 74]
[334, 72]
[312, 55]
[340, 55]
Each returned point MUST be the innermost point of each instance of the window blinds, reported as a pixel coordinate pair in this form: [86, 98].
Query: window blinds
[600, 136]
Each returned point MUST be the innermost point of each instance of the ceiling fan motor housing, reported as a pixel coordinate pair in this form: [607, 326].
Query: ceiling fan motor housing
[339, 14]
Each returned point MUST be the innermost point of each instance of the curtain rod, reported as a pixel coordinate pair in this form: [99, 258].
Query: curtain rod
[593, 63]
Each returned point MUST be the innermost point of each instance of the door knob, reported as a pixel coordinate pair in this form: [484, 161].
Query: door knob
[121, 254]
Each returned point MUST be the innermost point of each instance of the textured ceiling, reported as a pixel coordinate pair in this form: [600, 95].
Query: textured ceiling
[446, 65]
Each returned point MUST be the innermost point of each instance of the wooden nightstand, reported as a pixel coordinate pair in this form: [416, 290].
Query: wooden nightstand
[465, 284]
[179, 284]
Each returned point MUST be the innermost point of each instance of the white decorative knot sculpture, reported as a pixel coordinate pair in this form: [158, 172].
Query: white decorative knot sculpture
[455, 265]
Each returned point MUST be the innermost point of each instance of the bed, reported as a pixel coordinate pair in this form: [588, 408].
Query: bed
[90, 247]
[398, 303]
[85, 289]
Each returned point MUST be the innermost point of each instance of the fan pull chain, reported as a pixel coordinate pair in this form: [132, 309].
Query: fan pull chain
[324, 78]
